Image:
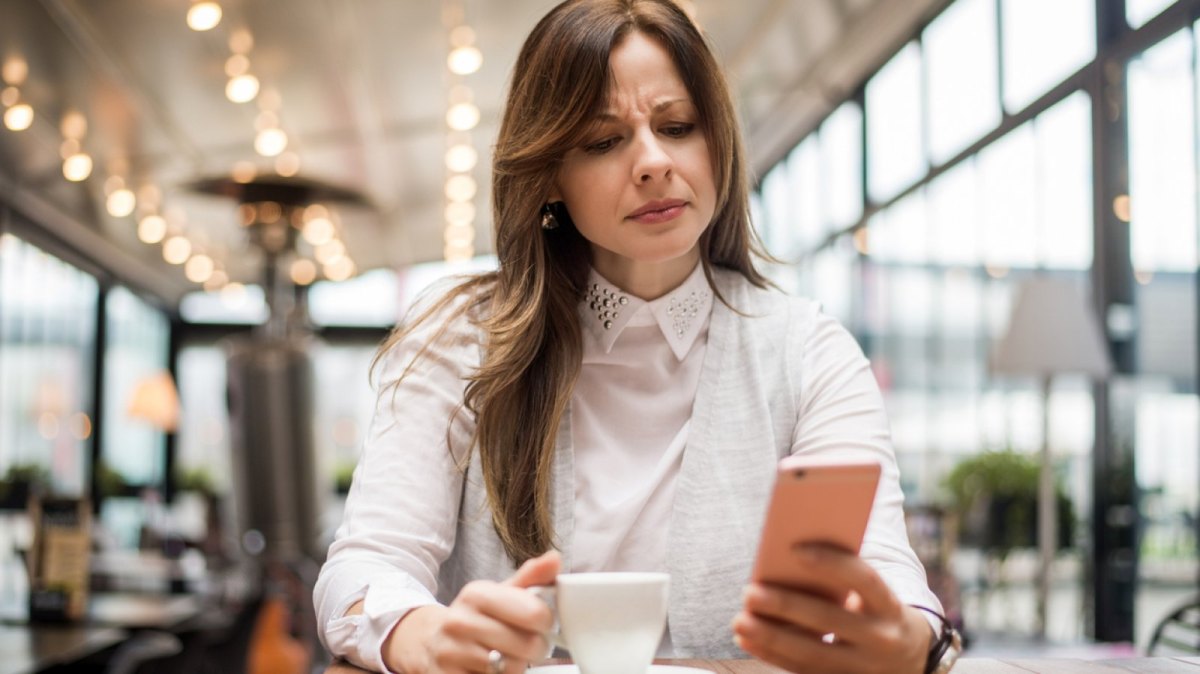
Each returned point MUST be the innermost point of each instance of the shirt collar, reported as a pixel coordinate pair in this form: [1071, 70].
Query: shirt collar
[681, 314]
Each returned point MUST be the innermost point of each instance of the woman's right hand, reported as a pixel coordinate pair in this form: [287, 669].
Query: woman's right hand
[485, 616]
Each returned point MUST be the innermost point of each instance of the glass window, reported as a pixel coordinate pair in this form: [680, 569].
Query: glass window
[954, 215]
[895, 141]
[804, 180]
[777, 209]
[417, 278]
[1044, 42]
[369, 299]
[841, 162]
[202, 444]
[235, 304]
[1064, 174]
[1162, 158]
[1008, 189]
[1139, 12]
[47, 357]
[137, 337]
[961, 64]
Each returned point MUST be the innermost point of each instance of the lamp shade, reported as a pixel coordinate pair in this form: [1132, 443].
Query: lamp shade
[1052, 330]
[156, 401]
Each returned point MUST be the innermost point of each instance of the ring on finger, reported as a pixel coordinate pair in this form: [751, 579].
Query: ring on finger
[496, 662]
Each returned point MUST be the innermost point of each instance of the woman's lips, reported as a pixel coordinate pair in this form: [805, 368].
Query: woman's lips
[660, 215]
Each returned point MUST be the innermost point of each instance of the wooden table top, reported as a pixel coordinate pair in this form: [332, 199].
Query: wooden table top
[966, 665]
[25, 649]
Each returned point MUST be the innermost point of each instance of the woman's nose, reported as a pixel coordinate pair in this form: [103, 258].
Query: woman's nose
[652, 162]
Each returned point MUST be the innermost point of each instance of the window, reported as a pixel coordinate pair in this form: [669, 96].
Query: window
[895, 142]
[1044, 42]
[1139, 12]
[137, 344]
[961, 64]
[841, 164]
[1162, 158]
[47, 355]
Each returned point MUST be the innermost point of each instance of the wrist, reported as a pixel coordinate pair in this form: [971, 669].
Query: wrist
[403, 650]
[945, 645]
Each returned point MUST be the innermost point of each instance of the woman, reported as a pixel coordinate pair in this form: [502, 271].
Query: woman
[616, 395]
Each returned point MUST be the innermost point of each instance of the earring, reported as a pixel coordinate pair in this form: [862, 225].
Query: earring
[548, 219]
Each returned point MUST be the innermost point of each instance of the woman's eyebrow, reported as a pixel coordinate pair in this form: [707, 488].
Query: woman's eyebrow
[608, 116]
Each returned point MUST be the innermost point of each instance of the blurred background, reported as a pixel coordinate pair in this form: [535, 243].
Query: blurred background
[211, 213]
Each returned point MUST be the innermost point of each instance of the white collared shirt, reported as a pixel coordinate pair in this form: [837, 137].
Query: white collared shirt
[630, 414]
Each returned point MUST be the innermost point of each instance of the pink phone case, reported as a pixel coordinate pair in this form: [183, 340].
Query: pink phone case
[814, 501]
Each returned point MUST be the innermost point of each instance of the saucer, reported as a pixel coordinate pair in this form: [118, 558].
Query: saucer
[654, 669]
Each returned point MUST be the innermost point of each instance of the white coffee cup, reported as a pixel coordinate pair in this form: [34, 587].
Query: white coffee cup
[610, 622]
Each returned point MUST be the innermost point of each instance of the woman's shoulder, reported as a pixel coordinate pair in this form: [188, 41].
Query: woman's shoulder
[765, 302]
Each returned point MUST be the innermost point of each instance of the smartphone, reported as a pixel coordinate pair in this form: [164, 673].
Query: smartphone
[814, 501]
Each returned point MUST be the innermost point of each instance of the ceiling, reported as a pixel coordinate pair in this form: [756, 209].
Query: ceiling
[360, 88]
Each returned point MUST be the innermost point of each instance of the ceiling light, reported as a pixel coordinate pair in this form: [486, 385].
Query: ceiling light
[266, 120]
[236, 65]
[315, 211]
[270, 142]
[303, 271]
[121, 203]
[462, 36]
[464, 60]
[460, 212]
[318, 231]
[287, 164]
[77, 167]
[242, 89]
[340, 269]
[199, 268]
[15, 70]
[461, 158]
[244, 172]
[152, 229]
[462, 116]
[9, 96]
[241, 41]
[459, 236]
[18, 117]
[73, 125]
[330, 251]
[216, 281]
[149, 195]
[460, 188]
[203, 16]
[458, 253]
[177, 250]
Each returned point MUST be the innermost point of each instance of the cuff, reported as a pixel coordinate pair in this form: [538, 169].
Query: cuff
[360, 638]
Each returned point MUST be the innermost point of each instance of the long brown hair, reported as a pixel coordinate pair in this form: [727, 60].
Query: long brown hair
[532, 339]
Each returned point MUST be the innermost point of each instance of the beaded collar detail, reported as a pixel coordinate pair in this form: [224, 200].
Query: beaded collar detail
[681, 314]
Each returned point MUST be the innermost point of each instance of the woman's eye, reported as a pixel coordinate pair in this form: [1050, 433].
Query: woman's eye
[601, 146]
[678, 130]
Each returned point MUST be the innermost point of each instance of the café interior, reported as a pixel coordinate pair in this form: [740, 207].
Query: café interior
[213, 212]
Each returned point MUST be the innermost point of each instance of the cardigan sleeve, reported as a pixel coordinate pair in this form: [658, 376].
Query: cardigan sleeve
[841, 414]
[401, 512]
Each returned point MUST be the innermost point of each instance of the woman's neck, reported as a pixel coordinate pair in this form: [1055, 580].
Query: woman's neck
[645, 280]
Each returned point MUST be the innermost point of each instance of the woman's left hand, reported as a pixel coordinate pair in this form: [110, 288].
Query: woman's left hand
[872, 631]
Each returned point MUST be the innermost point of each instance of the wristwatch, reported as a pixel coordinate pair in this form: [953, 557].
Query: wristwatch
[945, 647]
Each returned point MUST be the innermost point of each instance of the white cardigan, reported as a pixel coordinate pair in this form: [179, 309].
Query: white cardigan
[778, 378]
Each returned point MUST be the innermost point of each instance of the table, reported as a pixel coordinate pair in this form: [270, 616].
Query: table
[966, 665]
[27, 650]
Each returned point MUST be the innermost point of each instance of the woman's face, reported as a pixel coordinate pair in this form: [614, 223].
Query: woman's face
[639, 186]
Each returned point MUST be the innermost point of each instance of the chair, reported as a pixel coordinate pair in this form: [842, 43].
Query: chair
[1179, 633]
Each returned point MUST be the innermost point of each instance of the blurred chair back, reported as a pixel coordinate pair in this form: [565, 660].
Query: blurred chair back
[1179, 633]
